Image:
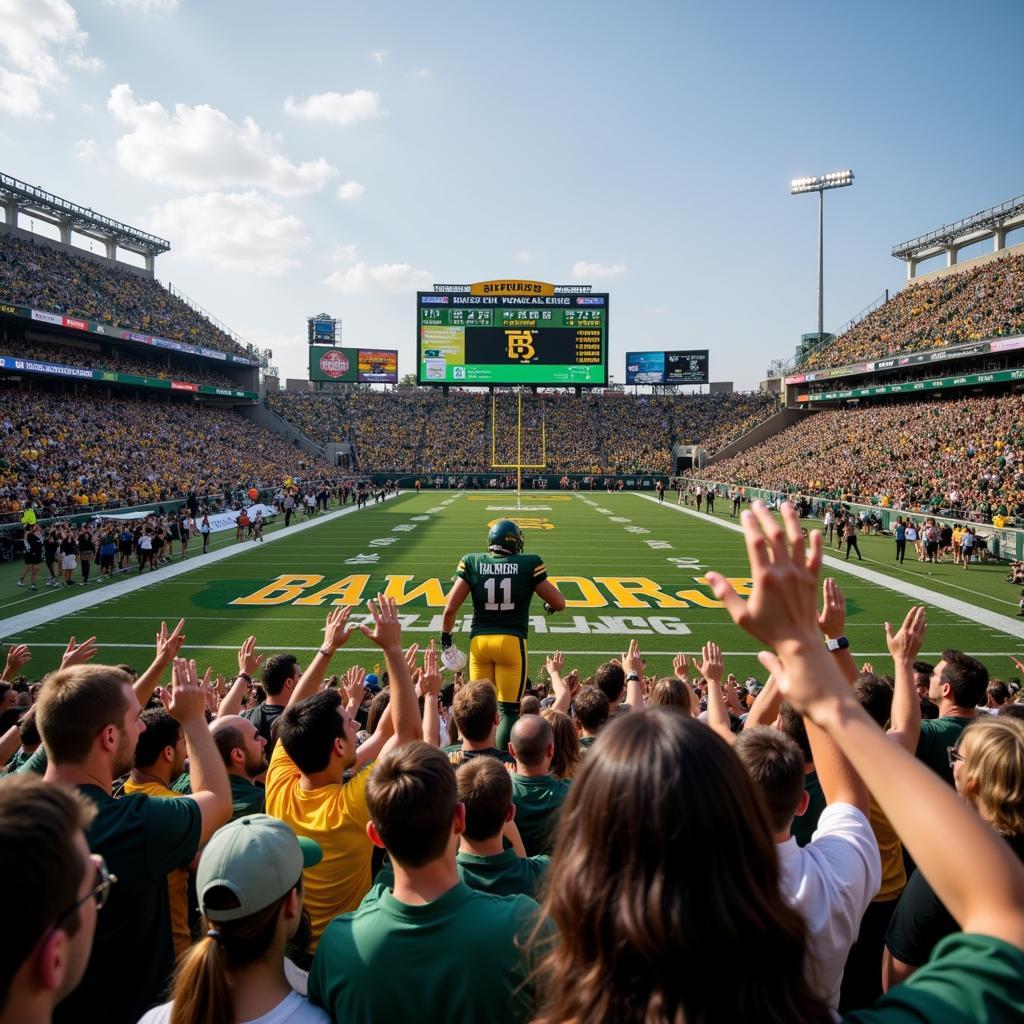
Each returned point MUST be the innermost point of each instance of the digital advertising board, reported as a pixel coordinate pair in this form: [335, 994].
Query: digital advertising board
[329, 364]
[676, 367]
[512, 332]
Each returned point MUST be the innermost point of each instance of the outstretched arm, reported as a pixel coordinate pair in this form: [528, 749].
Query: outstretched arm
[781, 613]
[905, 724]
[336, 634]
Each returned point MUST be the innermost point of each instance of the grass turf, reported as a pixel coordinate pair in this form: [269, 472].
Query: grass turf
[607, 542]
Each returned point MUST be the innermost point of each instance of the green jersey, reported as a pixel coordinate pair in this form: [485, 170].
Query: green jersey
[502, 587]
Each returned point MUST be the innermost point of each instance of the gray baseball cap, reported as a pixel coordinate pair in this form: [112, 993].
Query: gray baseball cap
[258, 858]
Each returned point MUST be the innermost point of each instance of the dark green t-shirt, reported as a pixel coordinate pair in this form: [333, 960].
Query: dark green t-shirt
[454, 960]
[805, 824]
[502, 588]
[969, 979]
[457, 755]
[538, 800]
[246, 797]
[936, 735]
[142, 839]
[505, 873]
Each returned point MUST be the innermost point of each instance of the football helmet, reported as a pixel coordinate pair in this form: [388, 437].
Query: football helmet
[507, 536]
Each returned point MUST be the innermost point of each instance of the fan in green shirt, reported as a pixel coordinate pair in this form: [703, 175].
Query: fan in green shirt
[538, 796]
[433, 948]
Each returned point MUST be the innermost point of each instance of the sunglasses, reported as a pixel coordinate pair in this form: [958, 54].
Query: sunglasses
[954, 756]
[100, 890]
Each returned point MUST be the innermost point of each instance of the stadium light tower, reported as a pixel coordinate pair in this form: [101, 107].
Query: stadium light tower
[819, 184]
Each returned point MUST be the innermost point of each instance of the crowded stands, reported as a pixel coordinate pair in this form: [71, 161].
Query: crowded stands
[60, 281]
[64, 452]
[424, 430]
[977, 302]
[953, 456]
[358, 853]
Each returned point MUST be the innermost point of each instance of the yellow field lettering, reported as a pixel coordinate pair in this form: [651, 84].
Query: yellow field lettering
[283, 590]
[349, 591]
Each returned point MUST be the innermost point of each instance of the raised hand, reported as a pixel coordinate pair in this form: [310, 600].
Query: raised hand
[188, 698]
[353, 685]
[248, 659]
[165, 697]
[336, 629]
[169, 644]
[387, 628]
[78, 654]
[782, 608]
[430, 680]
[681, 668]
[410, 656]
[906, 644]
[833, 609]
[17, 656]
[711, 667]
[554, 663]
[632, 662]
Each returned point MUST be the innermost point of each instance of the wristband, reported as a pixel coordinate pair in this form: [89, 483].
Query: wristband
[631, 677]
[326, 654]
[840, 643]
[446, 641]
[245, 676]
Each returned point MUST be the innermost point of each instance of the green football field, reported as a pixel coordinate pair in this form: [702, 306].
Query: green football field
[628, 565]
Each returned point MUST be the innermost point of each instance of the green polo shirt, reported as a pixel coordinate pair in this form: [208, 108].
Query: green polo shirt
[538, 800]
[246, 797]
[505, 873]
[969, 978]
[142, 839]
[457, 959]
[936, 735]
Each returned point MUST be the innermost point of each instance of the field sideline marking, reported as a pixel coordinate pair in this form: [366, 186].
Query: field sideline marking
[979, 616]
[18, 624]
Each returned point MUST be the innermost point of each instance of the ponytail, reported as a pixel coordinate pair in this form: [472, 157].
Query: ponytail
[201, 993]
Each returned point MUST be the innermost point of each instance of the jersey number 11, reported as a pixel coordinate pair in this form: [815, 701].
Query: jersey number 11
[507, 604]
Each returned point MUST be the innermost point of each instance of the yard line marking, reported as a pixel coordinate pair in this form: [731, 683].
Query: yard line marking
[108, 591]
[983, 616]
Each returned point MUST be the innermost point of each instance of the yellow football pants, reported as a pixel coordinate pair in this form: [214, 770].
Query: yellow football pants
[502, 659]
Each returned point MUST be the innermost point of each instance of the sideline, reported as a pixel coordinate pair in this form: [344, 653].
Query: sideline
[982, 616]
[100, 594]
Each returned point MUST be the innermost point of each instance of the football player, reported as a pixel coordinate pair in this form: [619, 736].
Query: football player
[502, 582]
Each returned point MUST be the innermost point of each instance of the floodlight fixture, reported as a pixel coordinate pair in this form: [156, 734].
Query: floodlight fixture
[821, 183]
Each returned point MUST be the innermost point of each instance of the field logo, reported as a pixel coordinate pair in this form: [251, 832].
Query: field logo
[334, 363]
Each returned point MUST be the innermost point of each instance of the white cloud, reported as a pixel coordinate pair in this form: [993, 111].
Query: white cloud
[232, 231]
[422, 73]
[582, 270]
[396, 278]
[379, 55]
[337, 107]
[201, 148]
[351, 191]
[35, 38]
[344, 253]
[145, 6]
[84, 151]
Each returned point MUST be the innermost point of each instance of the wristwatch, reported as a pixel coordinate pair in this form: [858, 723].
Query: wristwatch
[631, 677]
[840, 643]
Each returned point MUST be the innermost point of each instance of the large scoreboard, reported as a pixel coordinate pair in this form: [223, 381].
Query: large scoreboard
[512, 332]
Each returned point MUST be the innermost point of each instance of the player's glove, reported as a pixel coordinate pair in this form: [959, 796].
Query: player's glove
[446, 641]
[548, 609]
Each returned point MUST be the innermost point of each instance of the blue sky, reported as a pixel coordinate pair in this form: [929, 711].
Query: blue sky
[309, 157]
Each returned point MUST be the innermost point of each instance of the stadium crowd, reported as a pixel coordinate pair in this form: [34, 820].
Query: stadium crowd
[117, 360]
[978, 302]
[961, 457]
[421, 429]
[59, 281]
[654, 845]
[62, 452]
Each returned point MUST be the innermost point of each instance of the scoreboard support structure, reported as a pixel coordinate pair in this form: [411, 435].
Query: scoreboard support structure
[518, 465]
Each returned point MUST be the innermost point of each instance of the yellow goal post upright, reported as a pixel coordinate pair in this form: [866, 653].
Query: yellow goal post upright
[518, 465]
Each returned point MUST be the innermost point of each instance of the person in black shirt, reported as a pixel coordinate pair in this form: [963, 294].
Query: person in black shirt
[51, 543]
[987, 772]
[33, 556]
[69, 556]
[86, 550]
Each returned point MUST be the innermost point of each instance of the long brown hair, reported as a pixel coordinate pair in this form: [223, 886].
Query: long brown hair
[566, 761]
[665, 880]
[201, 992]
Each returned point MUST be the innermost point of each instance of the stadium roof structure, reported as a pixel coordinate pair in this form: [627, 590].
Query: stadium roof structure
[993, 222]
[20, 197]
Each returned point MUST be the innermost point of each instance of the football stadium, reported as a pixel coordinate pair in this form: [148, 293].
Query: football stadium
[498, 666]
